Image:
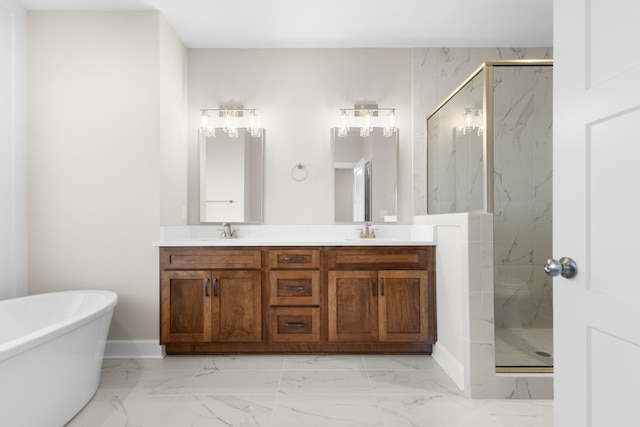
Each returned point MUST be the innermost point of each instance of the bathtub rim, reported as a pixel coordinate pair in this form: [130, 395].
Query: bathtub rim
[33, 339]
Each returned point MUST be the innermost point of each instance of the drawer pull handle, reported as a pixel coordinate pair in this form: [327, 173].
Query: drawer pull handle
[382, 287]
[294, 288]
[215, 286]
[206, 286]
[289, 258]
[374, 287]
[294, 325]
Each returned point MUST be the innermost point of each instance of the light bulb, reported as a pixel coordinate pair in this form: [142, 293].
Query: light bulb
[391, 119]
[204, 120]
[468, 118]
[208, 131]
[254, 130]
[229, 127]
[253, 119]
[366, 128]
[478, 122]
[343, 119]
[343, 130]
[390, 129]
[228, 123]
[368, 118]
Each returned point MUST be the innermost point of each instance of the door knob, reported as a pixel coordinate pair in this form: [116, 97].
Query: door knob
[566, 267]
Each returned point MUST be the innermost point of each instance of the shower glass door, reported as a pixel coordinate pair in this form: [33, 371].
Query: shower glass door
[522, 213]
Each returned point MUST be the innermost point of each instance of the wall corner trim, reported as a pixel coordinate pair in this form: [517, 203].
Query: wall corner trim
[449, 364]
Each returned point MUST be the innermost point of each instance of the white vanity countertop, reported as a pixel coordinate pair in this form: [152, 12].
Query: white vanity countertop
[298, 235]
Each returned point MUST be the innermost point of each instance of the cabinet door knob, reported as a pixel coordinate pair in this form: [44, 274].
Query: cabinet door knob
[206, 286]
[215, 286]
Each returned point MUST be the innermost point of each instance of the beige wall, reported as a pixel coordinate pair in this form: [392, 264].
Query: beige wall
[173, 127]
[99, 93]
[13, 161]
[298, 93]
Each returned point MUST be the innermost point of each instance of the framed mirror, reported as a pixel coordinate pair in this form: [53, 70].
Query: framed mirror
[231, 176]
[366, 176]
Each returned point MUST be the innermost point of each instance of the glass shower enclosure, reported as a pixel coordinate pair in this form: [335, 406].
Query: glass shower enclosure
[489, 149]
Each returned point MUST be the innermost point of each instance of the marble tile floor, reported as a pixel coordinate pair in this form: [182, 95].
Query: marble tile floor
[524, 347]
[295, 391]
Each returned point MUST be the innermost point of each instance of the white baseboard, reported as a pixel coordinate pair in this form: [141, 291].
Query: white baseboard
[449, 364]
[134, 349]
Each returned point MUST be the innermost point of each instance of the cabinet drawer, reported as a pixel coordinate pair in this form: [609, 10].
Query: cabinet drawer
[295, 324]
[390, 257]
[209, 258]
[294, 258]
[297, 287]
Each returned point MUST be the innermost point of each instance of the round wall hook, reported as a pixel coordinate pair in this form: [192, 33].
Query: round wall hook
[299, 172]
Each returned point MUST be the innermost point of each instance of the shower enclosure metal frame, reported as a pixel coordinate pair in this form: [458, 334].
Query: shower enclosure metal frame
[487, 106]
[488, 135]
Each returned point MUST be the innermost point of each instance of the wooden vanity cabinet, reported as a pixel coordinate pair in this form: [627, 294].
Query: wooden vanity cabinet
[381, 295]
[210, 295]
[372, 299]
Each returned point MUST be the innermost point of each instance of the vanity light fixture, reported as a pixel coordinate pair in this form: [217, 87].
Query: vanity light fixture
[472, 121]
[367, 114]
[230, 115]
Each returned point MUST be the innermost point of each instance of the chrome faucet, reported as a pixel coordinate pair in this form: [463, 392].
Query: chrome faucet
[226, 232]
[367, 232]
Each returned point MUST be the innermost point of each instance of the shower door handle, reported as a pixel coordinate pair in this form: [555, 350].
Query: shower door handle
[566, 267]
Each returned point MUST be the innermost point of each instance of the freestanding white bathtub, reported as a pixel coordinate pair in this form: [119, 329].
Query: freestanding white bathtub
[51, 351]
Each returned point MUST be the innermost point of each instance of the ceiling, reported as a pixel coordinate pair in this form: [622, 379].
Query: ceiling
[341, 23]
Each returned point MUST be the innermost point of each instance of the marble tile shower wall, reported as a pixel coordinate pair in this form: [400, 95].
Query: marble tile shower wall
[523, 195]
[437, 72]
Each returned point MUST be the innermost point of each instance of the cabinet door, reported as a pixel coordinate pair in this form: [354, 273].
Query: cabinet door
[403, 303]
[353, 311]
[236, 306]
[185, 307]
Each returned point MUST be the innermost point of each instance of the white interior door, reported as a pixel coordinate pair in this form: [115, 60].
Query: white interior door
[596, 212]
